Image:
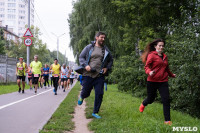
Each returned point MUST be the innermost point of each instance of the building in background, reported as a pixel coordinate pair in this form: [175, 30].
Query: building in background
[8, 34]
[14, 13]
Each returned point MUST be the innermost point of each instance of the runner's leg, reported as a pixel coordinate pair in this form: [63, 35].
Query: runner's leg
[18, 83]
[65, 85]
[99, 90]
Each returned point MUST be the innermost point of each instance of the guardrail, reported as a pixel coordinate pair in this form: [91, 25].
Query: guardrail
[7, 69]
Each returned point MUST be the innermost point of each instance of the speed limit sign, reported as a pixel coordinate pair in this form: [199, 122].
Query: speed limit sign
[28, 41]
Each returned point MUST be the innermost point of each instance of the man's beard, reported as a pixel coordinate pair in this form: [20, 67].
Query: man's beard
[101, 43]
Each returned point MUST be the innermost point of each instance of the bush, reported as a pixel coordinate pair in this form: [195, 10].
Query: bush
[128, 73]
[184, 57]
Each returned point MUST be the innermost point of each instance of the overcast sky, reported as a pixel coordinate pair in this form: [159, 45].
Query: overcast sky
[53, 15]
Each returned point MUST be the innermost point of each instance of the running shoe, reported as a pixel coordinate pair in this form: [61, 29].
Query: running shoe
[80, 101]
[168, 123]
[96, 115]
[19, 90]
[141, 108]
[22, 91]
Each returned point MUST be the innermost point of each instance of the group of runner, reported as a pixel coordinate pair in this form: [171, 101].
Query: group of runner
[39, 76]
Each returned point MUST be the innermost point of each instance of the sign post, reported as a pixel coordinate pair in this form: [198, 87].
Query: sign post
[28, 41]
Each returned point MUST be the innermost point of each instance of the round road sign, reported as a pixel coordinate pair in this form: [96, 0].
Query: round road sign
[28, 41]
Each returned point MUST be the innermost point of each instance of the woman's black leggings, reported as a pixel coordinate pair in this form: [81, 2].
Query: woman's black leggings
[46, 80]
[51, 81]
[163, 89]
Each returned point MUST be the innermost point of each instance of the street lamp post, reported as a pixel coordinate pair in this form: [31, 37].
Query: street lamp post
[58, 42]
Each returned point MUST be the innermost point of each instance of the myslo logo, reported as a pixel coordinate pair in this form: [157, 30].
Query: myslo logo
[192, 129]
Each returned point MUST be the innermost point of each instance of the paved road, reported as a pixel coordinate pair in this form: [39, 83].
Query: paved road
[28, 113]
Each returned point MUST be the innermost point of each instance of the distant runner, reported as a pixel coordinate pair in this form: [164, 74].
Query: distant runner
[55, 69]
[30, 77]
[46, 75]
[68, 76]
[51, 78]
[36, 68]
[72, 76]
[21, 73]
[41, 80]
[80, 77]
[64, 78]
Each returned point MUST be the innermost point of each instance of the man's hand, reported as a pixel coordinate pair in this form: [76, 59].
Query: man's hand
[105, 70]
[88, 68]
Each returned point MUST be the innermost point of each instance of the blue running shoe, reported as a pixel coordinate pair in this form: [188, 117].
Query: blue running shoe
[80, 101]
[96, 115]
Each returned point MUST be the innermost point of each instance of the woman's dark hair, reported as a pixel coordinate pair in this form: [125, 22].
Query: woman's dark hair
[150, 47]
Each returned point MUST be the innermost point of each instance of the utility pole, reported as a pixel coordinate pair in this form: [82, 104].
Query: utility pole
[58, 42]
[28, 47]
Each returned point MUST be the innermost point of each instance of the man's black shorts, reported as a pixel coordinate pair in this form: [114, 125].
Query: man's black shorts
[29, 79]
[35, 79]
[64, 79]
[21, 78]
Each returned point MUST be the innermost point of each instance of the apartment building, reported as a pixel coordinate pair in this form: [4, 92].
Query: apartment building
[14, 14]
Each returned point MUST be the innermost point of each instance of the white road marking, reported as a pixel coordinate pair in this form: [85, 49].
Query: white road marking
[7, 105]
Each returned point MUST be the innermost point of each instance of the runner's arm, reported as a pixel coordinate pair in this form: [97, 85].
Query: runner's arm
[16, 69]
[51, 69]
[26, 68]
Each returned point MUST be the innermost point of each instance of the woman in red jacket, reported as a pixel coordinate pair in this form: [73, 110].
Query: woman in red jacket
[157, 69]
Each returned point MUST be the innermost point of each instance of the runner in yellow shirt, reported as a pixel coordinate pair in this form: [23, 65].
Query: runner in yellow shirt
[21, 73]
[55, 69]
[36, 68]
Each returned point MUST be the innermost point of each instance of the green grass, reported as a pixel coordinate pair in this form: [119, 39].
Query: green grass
[120, 114]
[4, 89]
[61, 120]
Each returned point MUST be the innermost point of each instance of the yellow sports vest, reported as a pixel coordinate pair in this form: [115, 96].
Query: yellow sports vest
[56, 69]
[21, 69]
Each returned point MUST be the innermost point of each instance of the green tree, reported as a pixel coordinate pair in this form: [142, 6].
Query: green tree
[130, 25]
[2, 42]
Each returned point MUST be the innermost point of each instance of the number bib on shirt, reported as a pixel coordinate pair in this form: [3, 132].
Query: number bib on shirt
[55, 75]
[20, 68]
[36, 75]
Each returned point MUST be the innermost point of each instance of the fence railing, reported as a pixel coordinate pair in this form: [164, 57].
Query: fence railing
[7, 69]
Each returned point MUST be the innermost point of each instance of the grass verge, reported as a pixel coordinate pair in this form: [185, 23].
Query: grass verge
[120, 114]
[61, 120]
[4, 89]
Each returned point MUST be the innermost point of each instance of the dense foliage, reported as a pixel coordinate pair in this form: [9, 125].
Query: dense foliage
[39, 48]
[130, 25]
[2, 42]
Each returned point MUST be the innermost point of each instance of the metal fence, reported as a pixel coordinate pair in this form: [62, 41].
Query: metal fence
[7, 69]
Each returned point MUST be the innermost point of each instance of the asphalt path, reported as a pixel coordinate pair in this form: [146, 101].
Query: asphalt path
[28, 112]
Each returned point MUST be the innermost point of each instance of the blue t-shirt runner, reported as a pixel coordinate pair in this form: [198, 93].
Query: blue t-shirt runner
[46, 71]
